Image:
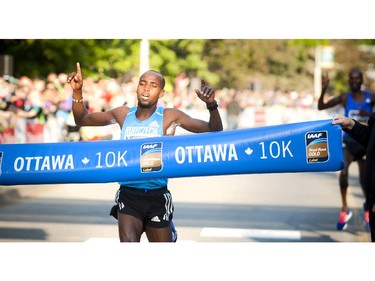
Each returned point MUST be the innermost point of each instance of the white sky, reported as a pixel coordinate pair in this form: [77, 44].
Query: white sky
[237, 19]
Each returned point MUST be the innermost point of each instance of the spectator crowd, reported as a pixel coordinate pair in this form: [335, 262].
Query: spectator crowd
[39, 110]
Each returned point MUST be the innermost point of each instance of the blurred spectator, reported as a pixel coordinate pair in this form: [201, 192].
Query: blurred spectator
[52, 96]
[233, 111]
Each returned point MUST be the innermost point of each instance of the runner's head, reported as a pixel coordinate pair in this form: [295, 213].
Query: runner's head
[355, 79]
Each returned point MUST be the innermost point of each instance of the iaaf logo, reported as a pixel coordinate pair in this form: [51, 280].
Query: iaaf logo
[151, 157]
[149, 146]
[315, 136]
[317, 147]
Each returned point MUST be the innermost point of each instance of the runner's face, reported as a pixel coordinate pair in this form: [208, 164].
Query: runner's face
[355, 81]
[149, 89]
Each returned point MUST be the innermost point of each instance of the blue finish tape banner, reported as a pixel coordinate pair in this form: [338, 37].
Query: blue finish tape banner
[297, 147]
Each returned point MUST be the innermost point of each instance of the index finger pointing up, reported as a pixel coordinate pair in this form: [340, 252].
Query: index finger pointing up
[203, 83]
[79, 69]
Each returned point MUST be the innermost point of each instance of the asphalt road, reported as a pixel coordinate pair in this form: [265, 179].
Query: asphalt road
[229, 228]
[297, 207]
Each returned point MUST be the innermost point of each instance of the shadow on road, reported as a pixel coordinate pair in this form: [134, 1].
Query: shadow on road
[22, 233]
[315, 221]
[308, 219]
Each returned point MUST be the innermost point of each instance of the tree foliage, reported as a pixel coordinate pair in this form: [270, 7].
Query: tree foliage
[233, 63]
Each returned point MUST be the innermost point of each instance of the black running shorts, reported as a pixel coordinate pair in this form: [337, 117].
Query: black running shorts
[154, 207]
[356, 149]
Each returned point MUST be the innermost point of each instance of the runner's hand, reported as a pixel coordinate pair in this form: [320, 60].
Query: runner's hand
[325, 81]
[75, 79]
[206, 94]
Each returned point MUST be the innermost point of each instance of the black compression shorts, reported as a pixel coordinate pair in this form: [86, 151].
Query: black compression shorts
[356, 149]
[154, 207]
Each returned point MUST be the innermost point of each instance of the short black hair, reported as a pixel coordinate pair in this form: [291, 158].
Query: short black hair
[356, 70]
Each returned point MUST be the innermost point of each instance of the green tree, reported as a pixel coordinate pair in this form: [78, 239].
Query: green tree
[172, 57]
[99, 58]
[287, 64]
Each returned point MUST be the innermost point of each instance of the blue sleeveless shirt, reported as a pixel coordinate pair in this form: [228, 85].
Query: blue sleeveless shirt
[352, 108]
[135, 129]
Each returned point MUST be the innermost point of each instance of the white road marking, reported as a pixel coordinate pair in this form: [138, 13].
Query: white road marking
[116, 240]
[224, 233]
[102, 239]
[250, 233]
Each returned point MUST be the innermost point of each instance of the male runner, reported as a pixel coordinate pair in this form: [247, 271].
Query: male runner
[358, 105]
[145, 205]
